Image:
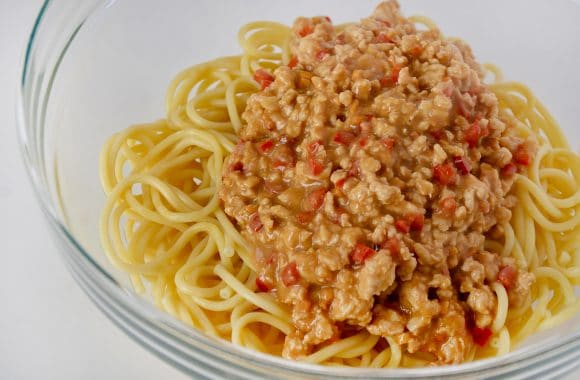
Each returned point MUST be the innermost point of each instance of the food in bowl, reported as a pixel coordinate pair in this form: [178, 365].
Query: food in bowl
[349, 195]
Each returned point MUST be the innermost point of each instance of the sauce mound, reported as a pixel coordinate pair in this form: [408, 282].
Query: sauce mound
[368, 175]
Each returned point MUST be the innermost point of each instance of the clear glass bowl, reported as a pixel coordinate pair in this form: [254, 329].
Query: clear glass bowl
[94, 67]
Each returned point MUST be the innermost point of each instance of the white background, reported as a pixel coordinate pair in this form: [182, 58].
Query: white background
[48, 328]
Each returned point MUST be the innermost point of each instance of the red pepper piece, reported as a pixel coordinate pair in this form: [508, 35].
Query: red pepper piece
[444, 174]
[344, 137]
[316, 198]
[472, 135]
[481, 336]
[509, 169]
[462, 165]
[293, 62]
[416, 222]
[393, 245]
[255, 222]
[266, 146]
[360, 253]
[237, 167]
[264, 78]
[315, 167]
[306, 30]
[263, 284]
[507, 276]
[290, 275]
[304, 217]
[522, 156]
[448, 205]
[402, 225]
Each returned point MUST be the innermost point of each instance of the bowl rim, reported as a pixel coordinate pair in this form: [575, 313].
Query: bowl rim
[180, 330]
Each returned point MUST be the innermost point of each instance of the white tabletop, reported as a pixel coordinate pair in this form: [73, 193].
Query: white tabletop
[49, 329]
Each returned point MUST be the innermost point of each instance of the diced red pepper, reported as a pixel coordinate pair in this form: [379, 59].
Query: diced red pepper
[395, 73]
[382, 38]
[389, 143]
[448, 205]
[472, 135]
[416, 51]
[522, 156]
[306, 30]
[237, 167]
[340, 183]
[316, 198]
[264, 78]
[507, 276]
[290, 275]
[266, 146]
[363, 141]
[462, 165]
[327, 18]
[293, 62]
[402, 225]
[263, 284]
[481, 336]
[315, 167]
[393, 245]
[344, 137]
[438, 134]
[304, 217]
[509, 169]
[255, 223]
[279, 164]
[444, 174]
[416, 222]
[360, 253]
[271, 259]
[392, 79]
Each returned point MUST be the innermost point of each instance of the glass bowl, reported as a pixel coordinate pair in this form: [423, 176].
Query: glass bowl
[94, 67]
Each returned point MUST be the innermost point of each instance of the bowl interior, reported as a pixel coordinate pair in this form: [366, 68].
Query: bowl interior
[117, 68]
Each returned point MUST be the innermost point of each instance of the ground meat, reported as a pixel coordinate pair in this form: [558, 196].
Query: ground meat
[387, 322]
[376, 275]
[367, 177]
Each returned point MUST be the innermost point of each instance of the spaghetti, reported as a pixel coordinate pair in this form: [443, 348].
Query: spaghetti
[163, 225]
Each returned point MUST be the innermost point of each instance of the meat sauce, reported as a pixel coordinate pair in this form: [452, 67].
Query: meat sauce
[367, 176]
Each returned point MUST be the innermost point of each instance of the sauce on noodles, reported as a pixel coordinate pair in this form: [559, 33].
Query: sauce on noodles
[439, 215]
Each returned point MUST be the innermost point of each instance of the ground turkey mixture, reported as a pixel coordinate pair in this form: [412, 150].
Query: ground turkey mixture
[369, 173]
